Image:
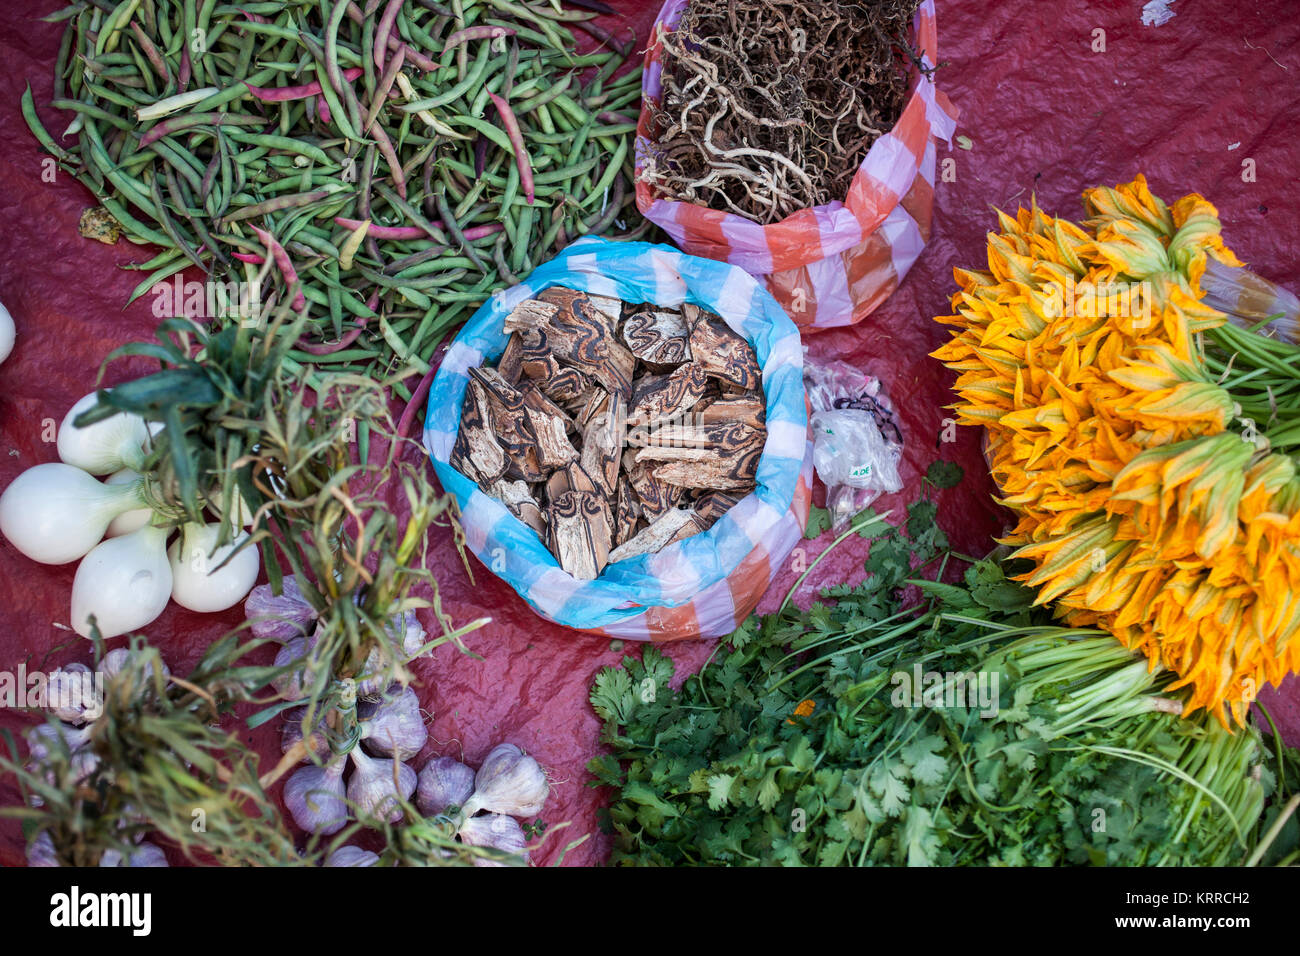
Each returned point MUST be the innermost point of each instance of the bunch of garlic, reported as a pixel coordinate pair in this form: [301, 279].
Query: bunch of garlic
[318, 798]
[288, 618]
[76, 701]
[59, 512]
[485, 805]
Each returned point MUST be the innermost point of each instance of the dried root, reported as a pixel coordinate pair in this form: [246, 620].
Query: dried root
[770, 105]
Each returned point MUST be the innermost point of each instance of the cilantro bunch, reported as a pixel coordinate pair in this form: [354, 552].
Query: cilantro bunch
[876, 729]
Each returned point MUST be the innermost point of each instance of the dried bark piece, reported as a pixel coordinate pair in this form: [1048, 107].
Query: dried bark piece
[529, 315]
[512, 359]
[713, 505]
[551, 426]
[692, 442]
[674, 525]
[519, 499]
[729, 462]
[511, 424]
[656, 496]
[627, 511]
[476, 454]
[602, 308]
[556, 382]
[579, 533]
[602, 447]
[711, 471]
[593, 402]
[721, 351]
[582, 335]
[666, 396]
[658, 337]
[746, 409]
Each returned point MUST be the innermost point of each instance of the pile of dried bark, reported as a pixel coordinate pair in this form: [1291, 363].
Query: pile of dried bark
[611, 429]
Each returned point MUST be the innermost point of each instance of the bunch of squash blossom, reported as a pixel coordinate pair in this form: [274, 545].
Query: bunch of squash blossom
[1149, 506]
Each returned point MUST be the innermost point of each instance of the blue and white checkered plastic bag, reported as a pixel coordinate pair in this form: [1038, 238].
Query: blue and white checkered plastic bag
[704, 585]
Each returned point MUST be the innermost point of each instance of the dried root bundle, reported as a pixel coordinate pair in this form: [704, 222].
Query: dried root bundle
[769, 106]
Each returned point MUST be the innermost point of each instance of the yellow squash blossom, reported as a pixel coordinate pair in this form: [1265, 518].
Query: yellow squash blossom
[1145, 507]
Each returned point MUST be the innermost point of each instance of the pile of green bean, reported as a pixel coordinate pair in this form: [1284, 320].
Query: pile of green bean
[386, 164]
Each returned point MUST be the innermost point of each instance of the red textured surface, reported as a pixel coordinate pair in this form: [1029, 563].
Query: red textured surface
[1044, 113]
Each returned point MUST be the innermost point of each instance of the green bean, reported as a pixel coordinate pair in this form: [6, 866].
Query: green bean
[481, 65]
[613, 169]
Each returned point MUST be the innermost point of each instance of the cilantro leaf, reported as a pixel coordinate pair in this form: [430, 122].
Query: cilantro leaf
[944, 474]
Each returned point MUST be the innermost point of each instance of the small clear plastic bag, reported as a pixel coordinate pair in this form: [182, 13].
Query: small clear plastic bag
[857, 443]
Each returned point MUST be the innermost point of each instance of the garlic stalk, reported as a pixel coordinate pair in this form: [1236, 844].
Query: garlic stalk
[127, 521]
[55, 513]
[395, 727]
[371, 790]
[106, 446]
[443, 783]
[293, 684]
[207, 578]
[314, 797]
[123, 582]
[351, 856]
[7, 333]
[292, 734]
[509, 782]
[495, 830]
[279, 617]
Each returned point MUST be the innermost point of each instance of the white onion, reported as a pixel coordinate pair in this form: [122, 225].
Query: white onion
[127, 521]
[106, 446]
[54, 513]
[199, 581]
[125, 582]
[7, 333]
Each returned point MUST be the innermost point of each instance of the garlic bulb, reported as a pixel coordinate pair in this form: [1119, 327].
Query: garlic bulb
[395, 727]
[40, 852]
[124, 582]
[127, 521]
[292, 733]
[372, 680]
[351, 856]
[42, 740]
[498, 831]
[54, 513]
[407, 627]
[509, 782]
[371, 791]
[106, 446]
[114, 661]
[314, 797]
[146, 854]
[293, 684]
[281, 617]
[7, 333]
[72, 694]
[206, 578]
[443, 783]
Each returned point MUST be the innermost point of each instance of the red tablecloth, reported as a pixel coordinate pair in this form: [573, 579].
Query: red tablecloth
[1186, 103]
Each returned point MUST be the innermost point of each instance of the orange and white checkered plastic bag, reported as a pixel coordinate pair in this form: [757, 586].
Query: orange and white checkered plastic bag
[830, 265]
